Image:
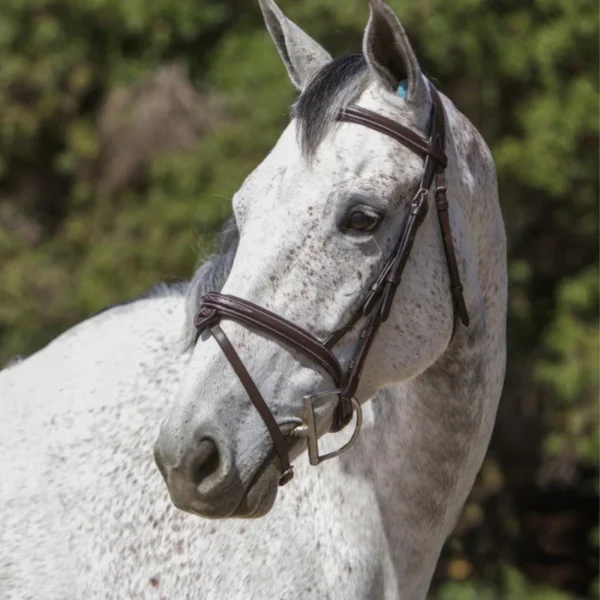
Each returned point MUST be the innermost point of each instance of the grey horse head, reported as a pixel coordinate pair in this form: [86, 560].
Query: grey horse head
[317, 220]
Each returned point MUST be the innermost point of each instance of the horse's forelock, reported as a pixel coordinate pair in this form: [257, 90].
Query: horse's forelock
[335, 86]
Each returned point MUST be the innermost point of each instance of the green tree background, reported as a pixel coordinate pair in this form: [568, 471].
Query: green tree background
[126, 126]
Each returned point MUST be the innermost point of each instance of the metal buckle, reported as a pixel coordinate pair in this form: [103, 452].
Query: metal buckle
[420, 205]
[417, 204]
[309, 429]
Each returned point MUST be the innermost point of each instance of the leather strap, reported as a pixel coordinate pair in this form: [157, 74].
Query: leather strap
[413, 141]
[256, 317]
[259, 402]
[389, 279]
[456, 288]
[441, 200]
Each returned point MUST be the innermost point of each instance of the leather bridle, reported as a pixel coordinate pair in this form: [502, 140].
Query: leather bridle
[375, 307]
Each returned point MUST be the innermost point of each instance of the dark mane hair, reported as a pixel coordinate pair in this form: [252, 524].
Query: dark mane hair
[335, 86]
[211, 275]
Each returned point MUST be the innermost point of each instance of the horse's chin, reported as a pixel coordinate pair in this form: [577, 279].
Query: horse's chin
[257, 499]
[260, 495]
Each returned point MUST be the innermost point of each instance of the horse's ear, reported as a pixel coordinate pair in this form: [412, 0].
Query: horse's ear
[302, 55]
[390, 55]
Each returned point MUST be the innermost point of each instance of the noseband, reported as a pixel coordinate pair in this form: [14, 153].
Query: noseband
[375, 306]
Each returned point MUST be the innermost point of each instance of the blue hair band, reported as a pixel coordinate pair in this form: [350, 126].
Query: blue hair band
[403, 88]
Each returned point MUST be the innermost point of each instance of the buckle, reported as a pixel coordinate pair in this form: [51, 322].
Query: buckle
[418, 200]
[419, 206]
[309, 429]
[441, 200]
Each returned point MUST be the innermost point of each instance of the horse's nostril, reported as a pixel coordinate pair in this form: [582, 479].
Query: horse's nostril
[206, 461]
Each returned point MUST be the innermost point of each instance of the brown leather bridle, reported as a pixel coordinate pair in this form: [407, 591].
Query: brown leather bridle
[375, 307]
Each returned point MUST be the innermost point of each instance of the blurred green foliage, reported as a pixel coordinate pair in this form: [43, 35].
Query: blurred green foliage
[524, 71]
[513, 586]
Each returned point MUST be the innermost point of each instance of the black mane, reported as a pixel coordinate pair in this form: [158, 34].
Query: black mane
[335, 86]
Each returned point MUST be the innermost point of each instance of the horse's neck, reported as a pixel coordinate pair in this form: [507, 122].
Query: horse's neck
[424, 447]
[102, 363]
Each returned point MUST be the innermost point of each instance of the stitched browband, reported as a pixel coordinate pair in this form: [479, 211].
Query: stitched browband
[376, 305]
[407, 137]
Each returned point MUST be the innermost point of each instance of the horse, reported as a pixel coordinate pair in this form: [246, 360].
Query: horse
[85, 513]
[345, 286]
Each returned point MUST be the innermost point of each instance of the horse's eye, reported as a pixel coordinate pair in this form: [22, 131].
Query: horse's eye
[358, 220]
